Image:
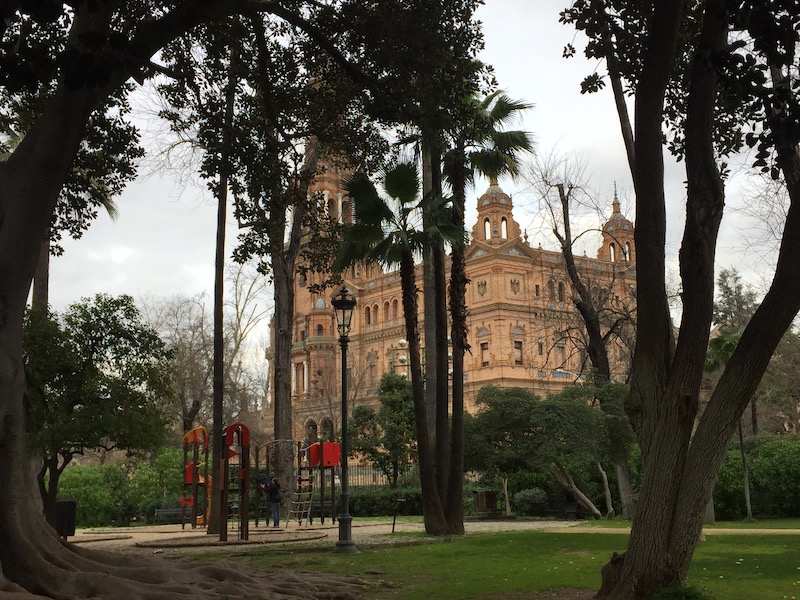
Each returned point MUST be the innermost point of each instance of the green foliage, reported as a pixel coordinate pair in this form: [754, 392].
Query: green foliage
[157, 483]
[775, 475]
[736, 301]
[386, 438]
[527, 501]
[101, 493]
[774, 469]
[515, 431]
[97, 377]
[378, 502]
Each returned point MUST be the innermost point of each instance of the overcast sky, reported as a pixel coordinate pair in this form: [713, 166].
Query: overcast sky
[163, 241]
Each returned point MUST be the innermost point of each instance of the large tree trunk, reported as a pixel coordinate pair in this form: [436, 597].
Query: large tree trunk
[458, 333]
[432, 510]
[40, 296]
[679, 476]
[429, 299]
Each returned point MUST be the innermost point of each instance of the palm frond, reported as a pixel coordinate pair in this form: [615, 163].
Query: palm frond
[402, 183]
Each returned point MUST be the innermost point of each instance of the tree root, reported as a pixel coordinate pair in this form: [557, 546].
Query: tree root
[72, 573]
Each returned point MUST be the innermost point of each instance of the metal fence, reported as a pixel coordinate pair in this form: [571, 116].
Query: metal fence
[364, 475]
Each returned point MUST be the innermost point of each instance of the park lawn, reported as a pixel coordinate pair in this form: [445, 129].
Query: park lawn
[618, 523]
[510, 564]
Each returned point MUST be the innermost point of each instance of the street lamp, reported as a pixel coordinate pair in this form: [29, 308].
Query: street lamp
[343, 303]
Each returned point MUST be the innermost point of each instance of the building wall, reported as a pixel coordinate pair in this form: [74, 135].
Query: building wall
[523, 327]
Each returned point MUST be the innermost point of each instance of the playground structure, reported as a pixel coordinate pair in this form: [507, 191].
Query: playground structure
[314, 467]
[235, 479]
[195, 445]
[313, 473]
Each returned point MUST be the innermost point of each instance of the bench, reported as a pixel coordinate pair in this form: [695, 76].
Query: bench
[169, 515]
[564, 510]
[317, 510]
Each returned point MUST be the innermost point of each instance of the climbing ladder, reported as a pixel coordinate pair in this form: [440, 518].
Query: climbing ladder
[302, 498]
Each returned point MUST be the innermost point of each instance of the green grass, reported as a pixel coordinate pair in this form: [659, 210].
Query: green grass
[511, 564]
[618, 523]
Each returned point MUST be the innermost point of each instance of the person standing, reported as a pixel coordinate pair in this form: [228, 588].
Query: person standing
[275, 495]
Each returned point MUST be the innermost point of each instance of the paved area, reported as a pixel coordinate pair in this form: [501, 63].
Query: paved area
[172, 539]
[167, 538]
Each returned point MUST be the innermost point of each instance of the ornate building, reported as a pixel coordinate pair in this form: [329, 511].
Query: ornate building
[523, 327]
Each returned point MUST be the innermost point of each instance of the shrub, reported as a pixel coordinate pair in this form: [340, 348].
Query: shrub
[774, 469]
[101, 492]
[379, 502]
[728, 495]
[157, 484]
[775, 476]
[528, 501]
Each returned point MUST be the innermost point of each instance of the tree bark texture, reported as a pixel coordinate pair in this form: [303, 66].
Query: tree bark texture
[433, 514]
[681, 466]
[460, 345]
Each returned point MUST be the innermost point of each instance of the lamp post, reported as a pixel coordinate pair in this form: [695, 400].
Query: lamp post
[343, 303]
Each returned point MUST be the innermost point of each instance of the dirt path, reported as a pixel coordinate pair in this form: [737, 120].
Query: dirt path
[171, 539]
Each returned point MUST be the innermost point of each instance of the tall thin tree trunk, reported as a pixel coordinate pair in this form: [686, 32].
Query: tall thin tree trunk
[429, 302]
[745, 474]
[627, 496]
[606, 492]
[433, 513]
[214, 525]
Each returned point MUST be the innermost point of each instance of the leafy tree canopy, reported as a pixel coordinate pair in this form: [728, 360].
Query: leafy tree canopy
[98, 377]
[386, 437]
[514, 430]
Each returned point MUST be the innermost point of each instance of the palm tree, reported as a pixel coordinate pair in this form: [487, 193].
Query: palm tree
[386, 231]
[481, 145]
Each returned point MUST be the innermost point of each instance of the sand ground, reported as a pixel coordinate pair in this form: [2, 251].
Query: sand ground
[174, 540]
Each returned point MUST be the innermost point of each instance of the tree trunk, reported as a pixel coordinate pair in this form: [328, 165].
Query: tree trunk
[565, 480]
[754, 414]
[627, 495]
[429, 301]
[432, 510]
[460, 345]
[745, 475]
[606, 492]
[508, 499]
[214, 524]
[40, 297]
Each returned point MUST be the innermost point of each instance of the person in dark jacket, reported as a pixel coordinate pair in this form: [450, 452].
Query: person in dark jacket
[274, 495]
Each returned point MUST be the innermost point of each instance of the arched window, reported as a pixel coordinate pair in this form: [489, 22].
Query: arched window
[320, 330]
[368, 315]
[331, 208]
[504, 228]
[487, 230]
[551, 290]
[628, 251]
[327, 429]
[375, 312]
[560, 291]
[311, 430]
[394, 309]
[386, 311]
[612, 252]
